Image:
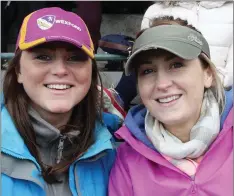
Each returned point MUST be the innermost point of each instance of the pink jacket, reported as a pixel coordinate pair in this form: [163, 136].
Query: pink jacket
[141, 171]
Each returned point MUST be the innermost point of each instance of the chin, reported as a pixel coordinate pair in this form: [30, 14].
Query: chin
[60, 108]
[170, 120]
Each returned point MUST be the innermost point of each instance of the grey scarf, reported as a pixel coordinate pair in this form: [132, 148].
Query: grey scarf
[202, 134]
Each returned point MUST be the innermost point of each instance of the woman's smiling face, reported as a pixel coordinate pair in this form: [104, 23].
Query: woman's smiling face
[172, 88]
[56, 76]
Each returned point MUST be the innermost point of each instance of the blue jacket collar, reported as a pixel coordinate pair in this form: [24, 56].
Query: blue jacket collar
[135, 121]
[13, 144]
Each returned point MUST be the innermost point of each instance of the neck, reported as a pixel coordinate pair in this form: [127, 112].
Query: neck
[182, 131]
[55, 119]
[182, 134]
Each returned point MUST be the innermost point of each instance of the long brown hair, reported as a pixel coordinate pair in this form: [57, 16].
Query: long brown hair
[83, 117]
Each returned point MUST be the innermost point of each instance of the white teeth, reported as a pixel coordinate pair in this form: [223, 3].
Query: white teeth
[58, 86]
[168, 99]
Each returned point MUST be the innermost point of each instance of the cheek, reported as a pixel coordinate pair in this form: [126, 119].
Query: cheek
[84, 75]
[195, 85]
[30, 77]
[194, 78]
[194, 90]
[187, 81]
[145, 89]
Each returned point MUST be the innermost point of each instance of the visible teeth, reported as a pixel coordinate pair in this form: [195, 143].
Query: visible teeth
[58, 86]
[168, 99]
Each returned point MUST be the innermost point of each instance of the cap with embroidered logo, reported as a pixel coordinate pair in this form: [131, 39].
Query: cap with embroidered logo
[54, 24]
[179, 40]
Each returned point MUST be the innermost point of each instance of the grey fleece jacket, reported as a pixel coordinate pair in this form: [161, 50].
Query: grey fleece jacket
[47, 139]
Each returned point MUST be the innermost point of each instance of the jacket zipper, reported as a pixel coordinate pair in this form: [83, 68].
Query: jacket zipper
[60, 148]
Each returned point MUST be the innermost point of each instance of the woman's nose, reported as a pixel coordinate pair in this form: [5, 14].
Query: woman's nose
[163, 82]
[60, 68]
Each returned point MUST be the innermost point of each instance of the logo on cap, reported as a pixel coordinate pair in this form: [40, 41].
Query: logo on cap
[194, 38]
[46, 22]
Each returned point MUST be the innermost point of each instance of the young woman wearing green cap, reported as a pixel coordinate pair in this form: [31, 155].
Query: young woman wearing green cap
[53, 139]
[180, 142]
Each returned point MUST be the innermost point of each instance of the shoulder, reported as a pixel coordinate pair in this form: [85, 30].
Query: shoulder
[108, 160]
[111, 121]
[11, 138]
[103, 135]
[216, 13]
[177, 11]
[125, 152]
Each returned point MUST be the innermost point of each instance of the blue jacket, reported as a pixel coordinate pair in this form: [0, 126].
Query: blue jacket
[88, 176]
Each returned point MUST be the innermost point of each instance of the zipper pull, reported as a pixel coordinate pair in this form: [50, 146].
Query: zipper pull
[60, 148]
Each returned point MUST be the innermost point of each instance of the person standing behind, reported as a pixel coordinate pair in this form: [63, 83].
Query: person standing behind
[213, 19]
[92, 18]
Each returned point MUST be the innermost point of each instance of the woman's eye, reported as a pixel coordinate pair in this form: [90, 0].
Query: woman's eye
[43, 57]
[147, 71]
[176, 66]
[78, 58]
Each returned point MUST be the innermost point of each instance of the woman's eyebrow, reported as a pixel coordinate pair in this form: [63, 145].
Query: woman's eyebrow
[170, 57]
[41, 49]
[49, 49]
[145, 62]
[76, 50]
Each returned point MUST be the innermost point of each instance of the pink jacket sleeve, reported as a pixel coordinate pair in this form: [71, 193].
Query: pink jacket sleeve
[120, 181]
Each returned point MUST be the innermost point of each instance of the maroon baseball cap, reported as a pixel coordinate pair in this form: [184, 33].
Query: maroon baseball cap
[54, 24]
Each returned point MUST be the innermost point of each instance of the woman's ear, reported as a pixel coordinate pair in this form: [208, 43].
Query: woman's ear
[208, 77]
[19, 76]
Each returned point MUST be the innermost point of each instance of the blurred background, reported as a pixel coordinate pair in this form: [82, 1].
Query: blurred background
[102, 18]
